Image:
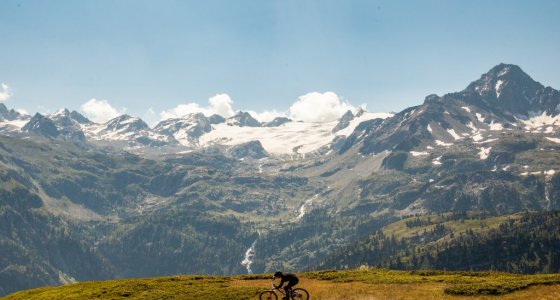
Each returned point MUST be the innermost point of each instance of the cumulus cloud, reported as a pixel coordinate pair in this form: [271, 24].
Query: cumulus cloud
[100, 111]
[220, 104]
[5, 94]
[311, 107]
[22, 111]
[150, 117]
[266, 116]
[319, 107]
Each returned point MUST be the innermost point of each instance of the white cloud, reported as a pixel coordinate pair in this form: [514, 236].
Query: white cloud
[220, 104]
[266, 116]
[22, 111]
[182, 110]
[317, 107]
[311, 107]
[150, 117]
[5, 94]
[100, 111]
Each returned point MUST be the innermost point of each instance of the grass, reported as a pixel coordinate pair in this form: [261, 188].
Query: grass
[456, 283]
[176, 287]
[472, 222]
[363, 283]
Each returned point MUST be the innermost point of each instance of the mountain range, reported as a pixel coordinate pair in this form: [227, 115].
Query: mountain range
[190, 132]
[206, 194]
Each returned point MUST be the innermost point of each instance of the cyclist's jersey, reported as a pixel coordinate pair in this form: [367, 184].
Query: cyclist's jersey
[288, 277]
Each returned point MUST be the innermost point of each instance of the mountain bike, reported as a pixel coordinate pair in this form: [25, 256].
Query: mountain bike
[296, 294]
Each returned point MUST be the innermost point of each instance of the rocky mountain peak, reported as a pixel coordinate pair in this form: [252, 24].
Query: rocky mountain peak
[41, 125]
[243, 119]
[9, 114]
[63, 112]
[126, 122]
[504, 79]
[359, 112]
[344, 121]
[195, 118]
[510, 90]
[278, 121]
[252, 149]
[216, 119]
[79, 118]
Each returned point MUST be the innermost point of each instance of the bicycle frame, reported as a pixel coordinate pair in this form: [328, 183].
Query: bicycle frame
[293, 293]
[276, 289]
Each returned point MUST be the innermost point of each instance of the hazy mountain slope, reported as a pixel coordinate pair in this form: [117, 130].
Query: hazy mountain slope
[520, 243]
[203, 194]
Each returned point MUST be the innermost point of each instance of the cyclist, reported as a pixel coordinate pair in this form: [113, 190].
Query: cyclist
[290, 278]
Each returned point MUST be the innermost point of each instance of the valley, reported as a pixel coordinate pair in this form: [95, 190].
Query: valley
[467, 181]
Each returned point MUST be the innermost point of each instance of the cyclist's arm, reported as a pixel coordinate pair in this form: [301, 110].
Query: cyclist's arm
[281, 283]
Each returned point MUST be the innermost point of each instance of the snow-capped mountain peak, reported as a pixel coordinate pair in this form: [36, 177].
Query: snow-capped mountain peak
[11, 120]
[243, 119]
[186, 129]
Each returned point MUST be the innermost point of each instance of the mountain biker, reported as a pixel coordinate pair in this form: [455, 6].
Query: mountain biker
[290, 278]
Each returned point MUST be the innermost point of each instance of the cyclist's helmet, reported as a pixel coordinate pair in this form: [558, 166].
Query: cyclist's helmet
[277, 274]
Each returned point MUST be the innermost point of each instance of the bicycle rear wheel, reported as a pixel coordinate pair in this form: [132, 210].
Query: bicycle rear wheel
[268, 295]
[300, 294]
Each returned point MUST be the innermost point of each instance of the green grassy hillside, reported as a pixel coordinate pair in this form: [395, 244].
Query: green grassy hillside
[525, 243]
[353, 284]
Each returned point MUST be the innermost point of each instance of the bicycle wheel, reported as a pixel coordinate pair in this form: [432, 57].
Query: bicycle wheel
[300, 294]
[268, 295]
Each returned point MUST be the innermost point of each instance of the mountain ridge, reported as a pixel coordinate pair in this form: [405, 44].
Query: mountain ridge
[293, 194]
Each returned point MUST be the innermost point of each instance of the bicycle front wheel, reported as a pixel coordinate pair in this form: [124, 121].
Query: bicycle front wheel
[268, 295]
[300, 294]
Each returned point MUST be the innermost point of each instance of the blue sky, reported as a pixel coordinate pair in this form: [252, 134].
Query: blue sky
[144, 56]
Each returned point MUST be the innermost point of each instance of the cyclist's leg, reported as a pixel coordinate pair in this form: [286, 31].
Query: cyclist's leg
[288, 288]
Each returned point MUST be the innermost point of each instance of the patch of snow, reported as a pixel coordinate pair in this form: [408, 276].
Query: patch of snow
[477, 138]
[466, 109]
[479, 117]
[498, 87]
[484, 152]
[429, 147]
[289, 138]
[549, 172]
[454, 134]
[496, 126]
[536, 121]
[429, 128]
[503, 72]
[556, 140]
[18, 123]
[437, 161]
[431, 180]
[472, 127]
[364, 117]
[415, 153]
[487, 141]
[442, 143]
